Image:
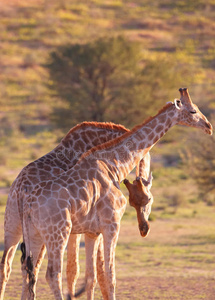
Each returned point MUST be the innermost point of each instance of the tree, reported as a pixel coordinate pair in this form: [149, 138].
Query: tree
[109, 79]
[200, 163]
[92, 77]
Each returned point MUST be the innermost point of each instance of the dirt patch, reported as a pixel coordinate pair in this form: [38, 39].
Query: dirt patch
[165, 288]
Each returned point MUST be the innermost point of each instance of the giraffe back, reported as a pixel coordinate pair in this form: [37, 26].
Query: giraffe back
[77, 141]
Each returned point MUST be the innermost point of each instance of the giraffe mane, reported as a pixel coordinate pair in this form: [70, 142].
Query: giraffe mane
[105, 125]
[125, 135]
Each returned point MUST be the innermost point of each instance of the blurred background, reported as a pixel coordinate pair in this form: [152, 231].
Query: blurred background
[66, 61]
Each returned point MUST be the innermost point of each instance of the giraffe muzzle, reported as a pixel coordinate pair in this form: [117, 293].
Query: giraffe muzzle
[209, 128]
[144, 229]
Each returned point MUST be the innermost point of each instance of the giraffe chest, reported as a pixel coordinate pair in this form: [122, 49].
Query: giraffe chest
[86, 224]
[107, 209]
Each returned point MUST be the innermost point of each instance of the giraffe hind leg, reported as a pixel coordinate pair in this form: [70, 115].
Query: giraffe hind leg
[91, 247]
[12, 236]
[5, 267]
[30, 268]
[56, 241]
[55, 265]
[31, 254]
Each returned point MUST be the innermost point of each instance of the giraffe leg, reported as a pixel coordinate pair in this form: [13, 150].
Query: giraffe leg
[12, 236]
[38, 258]
[39, 261]
[91, 247]
[101, 268]
[6, 264]
[35, 252]
[110, 240]
[73, 269]
[56, 241]
[55, 266]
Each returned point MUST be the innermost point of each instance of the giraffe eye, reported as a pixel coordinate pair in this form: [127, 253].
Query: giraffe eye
[193, 112]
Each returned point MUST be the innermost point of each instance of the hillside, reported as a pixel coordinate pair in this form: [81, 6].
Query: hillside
[30, 30]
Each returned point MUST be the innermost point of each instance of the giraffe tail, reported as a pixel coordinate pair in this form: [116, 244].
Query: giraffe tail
[23, 250]
[78, 294]
[30, 272]
[29, 268]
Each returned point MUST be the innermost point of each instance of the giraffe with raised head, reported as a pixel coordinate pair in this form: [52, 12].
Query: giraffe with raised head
[77, 141]
[87, 199]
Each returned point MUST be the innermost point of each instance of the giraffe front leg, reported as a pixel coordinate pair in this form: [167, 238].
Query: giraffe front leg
[91, 247]
[110, 236]
[73, 269]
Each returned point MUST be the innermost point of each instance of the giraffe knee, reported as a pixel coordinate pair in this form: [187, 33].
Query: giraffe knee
[112, 283]
[52, 274]
[3, 273]
[91, 280]
[49, 274]
[5, 270]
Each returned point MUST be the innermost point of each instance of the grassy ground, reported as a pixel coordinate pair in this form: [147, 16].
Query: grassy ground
[176, 260]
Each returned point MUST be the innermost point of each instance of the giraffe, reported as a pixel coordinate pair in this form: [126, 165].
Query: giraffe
[140, 196]
[77, 141]
[141, 199]
[87, 198]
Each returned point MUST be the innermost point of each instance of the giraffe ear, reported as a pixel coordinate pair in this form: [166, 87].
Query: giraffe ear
[178, 103]
[150, 180]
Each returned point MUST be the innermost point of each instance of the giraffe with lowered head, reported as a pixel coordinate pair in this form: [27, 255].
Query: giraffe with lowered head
[87, 199]
[141, 199]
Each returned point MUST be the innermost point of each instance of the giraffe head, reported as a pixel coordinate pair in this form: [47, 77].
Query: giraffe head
[189, 114]
[141, 199]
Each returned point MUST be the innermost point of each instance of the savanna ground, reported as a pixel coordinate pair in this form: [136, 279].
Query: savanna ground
[175, 261]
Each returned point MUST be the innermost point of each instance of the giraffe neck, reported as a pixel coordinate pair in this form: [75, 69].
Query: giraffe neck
[80, 139]
[122, 154]
[143, 168]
